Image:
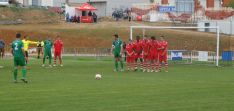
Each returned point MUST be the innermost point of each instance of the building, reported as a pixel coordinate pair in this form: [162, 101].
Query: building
[4, 2]
[110, 4]
[52, 3]
[107, 7]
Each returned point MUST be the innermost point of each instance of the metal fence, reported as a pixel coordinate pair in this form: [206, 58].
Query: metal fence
[187, 56]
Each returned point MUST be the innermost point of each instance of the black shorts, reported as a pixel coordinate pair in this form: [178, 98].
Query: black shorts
[26, 53]
[1, 50]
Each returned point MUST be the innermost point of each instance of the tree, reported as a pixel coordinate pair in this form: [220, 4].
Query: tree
[151, 1]
[231, 4]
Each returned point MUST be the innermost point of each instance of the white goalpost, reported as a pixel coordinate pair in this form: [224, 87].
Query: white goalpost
[164, 27]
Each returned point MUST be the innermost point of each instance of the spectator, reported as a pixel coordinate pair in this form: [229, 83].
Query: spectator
[90, 13]
[75, 19]
[78, 19]
[117, 16]
[67, 17]
[71, 19]
[129, 15]
[2, 48]
[129, 18]
[94, 17]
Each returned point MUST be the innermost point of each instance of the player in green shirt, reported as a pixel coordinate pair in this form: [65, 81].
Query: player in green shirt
[117, 51]
[19, 58]
[47, 51]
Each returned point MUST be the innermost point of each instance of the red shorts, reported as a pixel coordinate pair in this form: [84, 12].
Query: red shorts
[153, 56]
[146, 57]
[163, 58]
[57, 54]
[130, 59]
[138, 56]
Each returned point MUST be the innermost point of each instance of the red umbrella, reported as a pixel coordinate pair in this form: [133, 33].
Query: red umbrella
[86, 6]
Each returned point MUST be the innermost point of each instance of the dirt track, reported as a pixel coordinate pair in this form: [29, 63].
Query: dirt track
[100, 35]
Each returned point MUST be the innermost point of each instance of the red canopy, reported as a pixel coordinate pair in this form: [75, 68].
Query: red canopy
[86, 6]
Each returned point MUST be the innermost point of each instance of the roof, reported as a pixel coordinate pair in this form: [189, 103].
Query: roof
[86, 6]
[75, 4]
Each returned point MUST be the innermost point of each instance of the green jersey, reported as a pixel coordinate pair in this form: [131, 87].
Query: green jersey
[117, 45]
[17, 47]
[48, 45]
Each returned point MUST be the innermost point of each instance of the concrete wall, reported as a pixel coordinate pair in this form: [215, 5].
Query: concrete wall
[121, 4]
[36, 2]
[112, 5]
[102, 8]
[58, 3]
[47, 3]
[172, 2]
[4, 2]
[226, 26]
[71, 11]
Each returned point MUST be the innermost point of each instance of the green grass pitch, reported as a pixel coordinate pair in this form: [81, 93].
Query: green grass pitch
[73, 88]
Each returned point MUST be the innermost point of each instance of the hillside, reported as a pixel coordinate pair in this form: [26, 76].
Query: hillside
[10, 15]
[100, 35]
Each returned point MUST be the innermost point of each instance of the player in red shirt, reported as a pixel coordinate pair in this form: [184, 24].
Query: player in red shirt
[163, 47]
[153, 54]
[58, 46]
[130, 56]
[146, 56]
[137, 47]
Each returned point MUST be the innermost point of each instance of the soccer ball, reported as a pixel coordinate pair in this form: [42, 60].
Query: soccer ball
[98, 76]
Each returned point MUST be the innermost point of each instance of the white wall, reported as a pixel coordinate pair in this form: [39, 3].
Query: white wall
[113, 4]
[58, 3]
[21, 1]
[203, 3]
[216, 4]
[47, 2]
[71, 10]
[226, 26]
[29, 2]
[172, 2]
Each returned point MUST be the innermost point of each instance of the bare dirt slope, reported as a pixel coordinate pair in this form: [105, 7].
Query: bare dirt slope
[100, 35]
[28, 15]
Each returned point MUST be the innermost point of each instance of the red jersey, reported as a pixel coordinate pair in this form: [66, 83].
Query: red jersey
[163, 45]
[58, 44]
[129, 49]
[137, 46]
[153, 44]
[145, 45]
